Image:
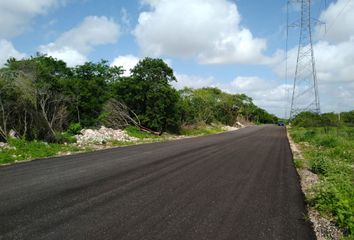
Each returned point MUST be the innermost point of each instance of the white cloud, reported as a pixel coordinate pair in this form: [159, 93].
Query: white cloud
[267, 94]
[334, 62]
[16, 15]
[334, 67]
[339, 19]
[127, 62]
[184, 80]
[334, 57]
[73, 46]
[7, 50]
[207, 30]
[69, 55]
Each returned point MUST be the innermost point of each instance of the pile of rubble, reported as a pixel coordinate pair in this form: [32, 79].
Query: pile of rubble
[229, 128]
[6, 146]
[3, 145]
[102, 136]
[239, 125]
[236, 126]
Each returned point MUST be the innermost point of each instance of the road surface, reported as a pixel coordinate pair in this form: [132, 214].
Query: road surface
[235, 185]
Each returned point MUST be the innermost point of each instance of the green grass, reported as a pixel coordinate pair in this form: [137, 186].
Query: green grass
[20, 150]
[201, 129]
[24, 150]
[135, 132]
[330, 152]
[298, 163]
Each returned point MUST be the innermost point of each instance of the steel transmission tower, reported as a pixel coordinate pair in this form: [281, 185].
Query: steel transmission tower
[305, 90]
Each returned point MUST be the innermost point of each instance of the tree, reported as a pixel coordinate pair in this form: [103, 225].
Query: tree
[117, 115]
[39, 109]
[347, 117]
[89, 87]
[148, 92]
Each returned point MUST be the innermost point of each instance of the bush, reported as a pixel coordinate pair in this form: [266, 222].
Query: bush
[336, 199]
[64, 138]
[327, 141]
[298, 163]
[135, 132]
[319, 165]
[74, 128]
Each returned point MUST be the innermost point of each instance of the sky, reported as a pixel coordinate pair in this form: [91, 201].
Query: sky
[238, 46]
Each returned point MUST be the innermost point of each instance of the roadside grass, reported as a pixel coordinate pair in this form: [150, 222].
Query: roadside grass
[330, 153]
[19, 149]
[135, 132]
[298, 163]
[201, 129]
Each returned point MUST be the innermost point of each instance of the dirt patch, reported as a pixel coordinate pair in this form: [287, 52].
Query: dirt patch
[324, 228]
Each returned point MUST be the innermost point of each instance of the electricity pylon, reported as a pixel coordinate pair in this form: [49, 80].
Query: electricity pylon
[305, 90]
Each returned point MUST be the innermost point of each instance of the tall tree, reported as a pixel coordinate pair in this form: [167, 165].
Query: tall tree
[148, 92]
[89, 87]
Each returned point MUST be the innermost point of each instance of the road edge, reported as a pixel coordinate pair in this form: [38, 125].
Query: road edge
[109, 147]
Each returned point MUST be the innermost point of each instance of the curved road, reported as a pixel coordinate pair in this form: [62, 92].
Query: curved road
[235, 185]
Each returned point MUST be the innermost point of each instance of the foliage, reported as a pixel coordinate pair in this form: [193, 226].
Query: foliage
[148, 92]
[200, 129]
[298, 163]
[348, 117]
[40, 97]
[74, 128]
[135, 132]
[31, 101]
[331, 155]
[89, 87]
[209, 105]
[310, 119]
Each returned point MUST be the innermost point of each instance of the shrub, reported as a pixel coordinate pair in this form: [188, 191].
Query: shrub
[319, 165]
[327, 141]
[74, 128]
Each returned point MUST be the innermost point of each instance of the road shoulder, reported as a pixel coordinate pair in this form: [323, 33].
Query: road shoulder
[323, 228]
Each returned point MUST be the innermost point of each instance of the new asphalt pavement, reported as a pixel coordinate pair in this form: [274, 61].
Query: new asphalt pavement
[234, 185]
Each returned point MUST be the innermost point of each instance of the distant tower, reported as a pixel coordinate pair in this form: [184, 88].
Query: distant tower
[305, 90]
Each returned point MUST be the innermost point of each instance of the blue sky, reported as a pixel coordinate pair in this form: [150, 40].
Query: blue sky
[238, 46]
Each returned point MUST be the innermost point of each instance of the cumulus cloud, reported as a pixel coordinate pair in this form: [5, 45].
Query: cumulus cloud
[7, 50]
[73, 46]
[185, 80]
[334, 57]
[339, 19]
[207, 30]
[127, 62]
[16, 15]
[267, 94]
[334, 67]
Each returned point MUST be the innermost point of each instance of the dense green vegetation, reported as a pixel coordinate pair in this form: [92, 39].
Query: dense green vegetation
[330, 154]
[309, 119]
[40, 98]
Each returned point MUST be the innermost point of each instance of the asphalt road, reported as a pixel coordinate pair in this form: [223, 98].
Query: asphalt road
[235, 185]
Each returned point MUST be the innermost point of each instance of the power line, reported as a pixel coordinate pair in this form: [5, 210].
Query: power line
[339, 13]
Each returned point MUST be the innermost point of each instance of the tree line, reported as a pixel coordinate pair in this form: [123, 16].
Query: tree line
[310, 119]
[40, 97]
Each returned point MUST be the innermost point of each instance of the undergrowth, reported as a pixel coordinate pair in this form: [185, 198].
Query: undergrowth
[330, 152]
[19, 149]
[201, 129]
